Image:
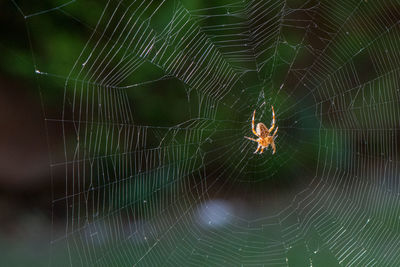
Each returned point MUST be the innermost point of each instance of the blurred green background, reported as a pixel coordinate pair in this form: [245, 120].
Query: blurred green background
[119, 152]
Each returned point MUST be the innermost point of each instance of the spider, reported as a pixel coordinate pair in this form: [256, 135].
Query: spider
[262, 132]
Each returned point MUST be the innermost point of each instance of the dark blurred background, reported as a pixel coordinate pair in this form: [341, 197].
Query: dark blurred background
[25, 183]
[39, 138]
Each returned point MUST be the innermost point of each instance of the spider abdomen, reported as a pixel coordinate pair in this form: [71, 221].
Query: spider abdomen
[262, 130]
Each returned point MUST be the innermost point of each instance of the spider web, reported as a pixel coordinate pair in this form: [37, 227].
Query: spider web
[152, 112]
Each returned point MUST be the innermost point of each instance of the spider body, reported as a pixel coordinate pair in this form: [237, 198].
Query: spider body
[263, 134]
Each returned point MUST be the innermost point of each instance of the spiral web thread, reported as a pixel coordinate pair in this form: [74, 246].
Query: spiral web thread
[133, 190]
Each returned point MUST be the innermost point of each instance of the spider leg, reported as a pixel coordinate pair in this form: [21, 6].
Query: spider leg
[273, 120]
[252, 124]
[273, 148]
[275, 131]
[251, 139]
[262, 150]
[255, 152]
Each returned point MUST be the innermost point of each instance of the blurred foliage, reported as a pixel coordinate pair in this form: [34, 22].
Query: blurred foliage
[53, 39]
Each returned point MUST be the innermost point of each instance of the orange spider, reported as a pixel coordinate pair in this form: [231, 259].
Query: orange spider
[264, 139]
